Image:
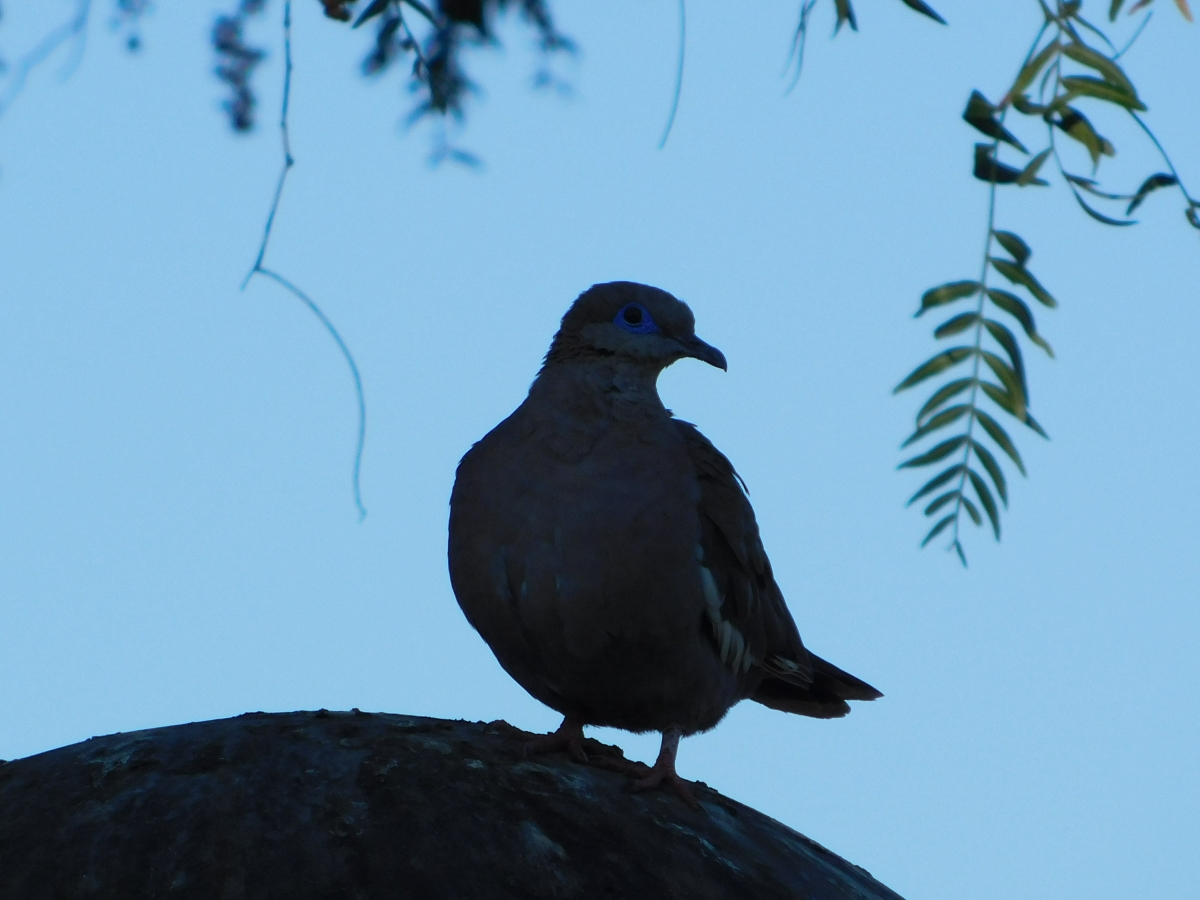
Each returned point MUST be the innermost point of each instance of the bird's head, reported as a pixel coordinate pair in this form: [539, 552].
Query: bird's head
[632, 322]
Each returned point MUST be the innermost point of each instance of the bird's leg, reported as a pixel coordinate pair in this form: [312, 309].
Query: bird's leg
[568, 737]
[664, 769]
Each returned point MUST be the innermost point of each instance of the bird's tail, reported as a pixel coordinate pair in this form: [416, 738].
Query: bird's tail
[824, 698]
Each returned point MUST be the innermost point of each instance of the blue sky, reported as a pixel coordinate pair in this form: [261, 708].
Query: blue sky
[178, 539]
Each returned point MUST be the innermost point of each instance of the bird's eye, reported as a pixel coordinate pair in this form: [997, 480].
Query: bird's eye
[635, 318]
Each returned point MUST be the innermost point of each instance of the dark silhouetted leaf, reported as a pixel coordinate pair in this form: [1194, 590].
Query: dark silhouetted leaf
[941, 395]
[1022, 276]
[1030, 71]
[936, 482]
[958, 324]
[989, 170]
[981, 115]
[939, 363]
[985, 498]
[1000, 436]
[1028, 175]
[373, 10]
[984, 455]
[424, 10]
[948, 497]
[1114, 8]
[1033, 424]
[1016, 307]
[923, 8]
[1077, 126]
[940, 451]
[941, 420]
[970, 508]
[1109, 70]
[1192, 217]
[336, 9]
[938, 529]
[1097, 89]
[1089, 185]
[947, 293]
[1099, 216]
[962, 557]
[1013, 244]
[1153, 183]
[845, 13]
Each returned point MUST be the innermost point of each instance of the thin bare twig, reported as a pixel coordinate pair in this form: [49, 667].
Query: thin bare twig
[798, 41]
[73, 27]
[678, 75]
[259, 269]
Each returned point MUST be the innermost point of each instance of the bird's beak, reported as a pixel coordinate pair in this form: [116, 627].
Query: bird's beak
[698, 349]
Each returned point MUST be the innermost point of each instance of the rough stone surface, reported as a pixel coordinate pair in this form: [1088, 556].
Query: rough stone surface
[359, 806]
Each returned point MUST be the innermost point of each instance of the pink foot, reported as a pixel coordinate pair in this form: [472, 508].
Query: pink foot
[664, 771]
[568, 737]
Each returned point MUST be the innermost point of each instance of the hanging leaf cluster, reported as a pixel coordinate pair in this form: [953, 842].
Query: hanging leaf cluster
[988, 366]
[435, 41]
[1071, 67]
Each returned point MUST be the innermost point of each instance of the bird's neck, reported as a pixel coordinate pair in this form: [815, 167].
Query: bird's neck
[609, 384]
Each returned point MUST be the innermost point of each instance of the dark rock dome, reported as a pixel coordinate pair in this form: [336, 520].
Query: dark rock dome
[359, 806]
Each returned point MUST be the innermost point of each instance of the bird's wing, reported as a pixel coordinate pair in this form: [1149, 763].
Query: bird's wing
[751, 625]
[750, 621]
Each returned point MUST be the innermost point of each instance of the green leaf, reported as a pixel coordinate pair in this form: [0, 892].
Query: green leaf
[942, 394]
[1109, 70]
[941, 451]
[984, 455]
[989, 170]
[1153, 183]
[1030, 70]
[1028, 175]
[934, 366]
[1113, 9]
[376, 7]
[845, 13]
[1005, 339]
[936, 482]
[970, 508]
[941, 420]
[1010, 379]
[1099, 216]
[1000, 436]
[985, 498]
[981, 115]
[941, 501]
[1022, 104]
[962, 557]
[1013, 244]
[1097, 89]
[923, 8]
[958, 324]
[1076, 125]
[1005, 399]
[947, 293]
[1016, 307]
[938, 529]
[1022, 276]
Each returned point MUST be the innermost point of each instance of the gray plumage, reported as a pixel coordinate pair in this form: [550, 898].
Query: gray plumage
[607, 551]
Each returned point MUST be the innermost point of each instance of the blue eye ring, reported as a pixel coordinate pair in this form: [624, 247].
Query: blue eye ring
[636, 319]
